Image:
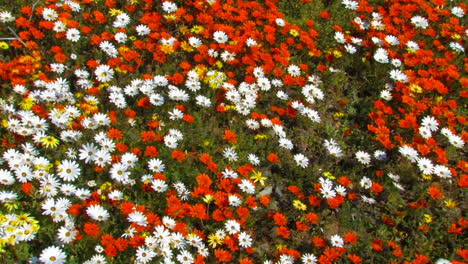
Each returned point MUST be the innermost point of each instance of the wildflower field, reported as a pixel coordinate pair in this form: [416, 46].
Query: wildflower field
[233, 131]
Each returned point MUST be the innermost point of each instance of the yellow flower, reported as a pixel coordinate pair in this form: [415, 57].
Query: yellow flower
[4, 123]
[329, 175]
[208, 198]
[114, 12]
[299, 205]
[338, 114]
[219, 64]
[230, 107]
[280, 246]
[427, 218]
[4, 45]
[450, 204]
[337, 54]
[11, 206]
[206, 143]
[455, 36]
[214, 240]
[293, 32]
[49, 142]
[186, 46]
[27, 103]
[132, 38]
[105, 185]
[167, 49]
[257, 177]
[196, 29]
[427, 176]
[260, 136]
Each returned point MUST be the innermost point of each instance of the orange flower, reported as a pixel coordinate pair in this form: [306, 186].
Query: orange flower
[318, 242]
[223, 255]
[114, 133]
[151, 151]
[178, 155]
[434, 192]
[272, 157]
[351, 238]
[279, 219]
[376, 188]
[355, 259]
[91, 229]
[264, 200]
[283, 232]
[300, 226]
[229, 136]
[148, 136]
[188, 118]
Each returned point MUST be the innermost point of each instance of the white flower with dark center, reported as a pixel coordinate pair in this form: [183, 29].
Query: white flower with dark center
[120, 37]
[253, 159]
[175, 114]
[66, 234]
[457, 47]
[156, 165]
[425, 132]
[350, 4]
[301, 160]
[170, 141]
[53, 255]
[234, 200]
[309, 258]
[159, 186]
[392, 40]
[59, 26]
[247, 186]
[456, 141]
[327, 191]
[144, 254]
[220, 37]
[380, 155]
[73, 34]
[363, 157]
[381, 55]
[169, 7]
[104, 73]
[409, 153]
[280, 22]
[419, 22]
[185, 257]
[97, 212]
[365, 183]
[49, 14]
[69, 170]
[142, 30]
[121, 20]
[458, 11]
[232, 227]
[337, 241]
[285, 143]
[138, 218]
[412, 46]
[6, 16]
[294, 70]
[230, 154]
[386, 95]
[227, 56]
[431, 123]
[250, 42]
[426, 166]
[245, 240]
[442, 171]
